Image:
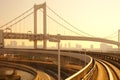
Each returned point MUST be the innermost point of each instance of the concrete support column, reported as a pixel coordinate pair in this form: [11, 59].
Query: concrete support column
[1, 39]
[44, 27]
[35, 25]
[119, 40]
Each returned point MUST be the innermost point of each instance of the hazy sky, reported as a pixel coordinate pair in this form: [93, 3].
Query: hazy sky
[96, 17]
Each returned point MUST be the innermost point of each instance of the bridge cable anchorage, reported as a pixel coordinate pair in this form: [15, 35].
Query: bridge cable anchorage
[20, 20]
[16, 18]
[68, 22]
[61, 24]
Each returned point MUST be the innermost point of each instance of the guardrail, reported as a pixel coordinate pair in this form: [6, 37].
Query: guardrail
[113, 58]
[84, 73]
[92, 74]
[21, 67]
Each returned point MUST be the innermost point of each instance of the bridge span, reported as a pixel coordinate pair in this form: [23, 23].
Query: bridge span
[33, 37]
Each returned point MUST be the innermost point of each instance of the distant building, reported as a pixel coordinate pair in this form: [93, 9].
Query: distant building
[23, 44]
[13, 43]
[78, 46]
[61, 45]
[91, 47]
[69, 45]
[65, 45]
[105, 47]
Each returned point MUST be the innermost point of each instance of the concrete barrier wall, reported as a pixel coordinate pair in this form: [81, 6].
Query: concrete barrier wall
[80, 74]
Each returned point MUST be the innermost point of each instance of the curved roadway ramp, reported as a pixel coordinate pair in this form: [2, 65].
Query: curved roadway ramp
[43, 76]
[107, 71]
[38, 75]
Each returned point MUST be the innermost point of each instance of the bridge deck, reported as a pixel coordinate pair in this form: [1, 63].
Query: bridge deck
[42, 37]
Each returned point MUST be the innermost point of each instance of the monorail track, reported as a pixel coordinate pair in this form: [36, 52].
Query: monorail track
[107, 71]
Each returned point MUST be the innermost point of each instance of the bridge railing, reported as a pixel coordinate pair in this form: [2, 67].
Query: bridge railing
[88, 70]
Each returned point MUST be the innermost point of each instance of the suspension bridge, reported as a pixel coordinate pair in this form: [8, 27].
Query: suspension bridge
[8, 29]
[13, 30]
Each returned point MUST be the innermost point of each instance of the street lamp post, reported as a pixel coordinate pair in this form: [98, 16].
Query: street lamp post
[58, 41]
[28, 34]
[8, 29]
[85, 58]
[84, 55]
[59, 60]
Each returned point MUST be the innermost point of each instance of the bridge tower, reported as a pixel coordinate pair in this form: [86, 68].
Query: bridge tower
[37, 7]
[119, 39]
[1, 39]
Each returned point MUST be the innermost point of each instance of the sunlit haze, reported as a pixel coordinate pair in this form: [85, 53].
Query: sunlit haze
[99, 18]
